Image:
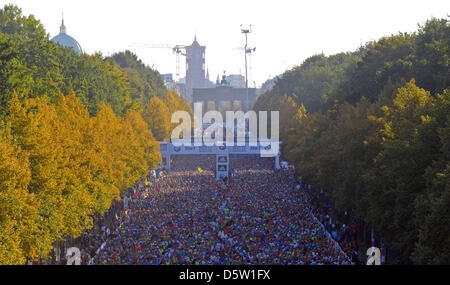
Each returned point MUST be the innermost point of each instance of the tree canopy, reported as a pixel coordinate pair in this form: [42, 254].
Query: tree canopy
[372, 129]
[73, 135]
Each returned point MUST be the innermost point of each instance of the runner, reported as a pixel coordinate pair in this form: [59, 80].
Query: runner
[187, 217]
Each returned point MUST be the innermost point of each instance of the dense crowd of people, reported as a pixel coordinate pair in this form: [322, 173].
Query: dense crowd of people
[188, 217]
[343, 228]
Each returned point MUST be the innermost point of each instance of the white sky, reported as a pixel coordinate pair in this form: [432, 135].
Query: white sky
[284, 32]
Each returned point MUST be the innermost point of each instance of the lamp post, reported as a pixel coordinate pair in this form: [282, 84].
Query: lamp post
[246, 31]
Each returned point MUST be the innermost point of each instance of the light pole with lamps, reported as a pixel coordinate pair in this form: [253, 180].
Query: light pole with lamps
[246, 31]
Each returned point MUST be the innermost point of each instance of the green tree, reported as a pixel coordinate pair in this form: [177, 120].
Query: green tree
[145, 81]
[433, 206]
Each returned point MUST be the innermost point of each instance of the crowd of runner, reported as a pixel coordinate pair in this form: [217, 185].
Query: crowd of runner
[343, 228]
[260, 216]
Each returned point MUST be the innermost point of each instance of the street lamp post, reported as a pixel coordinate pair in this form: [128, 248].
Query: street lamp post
[246, 31]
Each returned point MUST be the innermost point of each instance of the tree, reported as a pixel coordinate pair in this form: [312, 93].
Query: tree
[77, 164]
[432, 54]
[18, 208]
[410, 144]
[34, 66]
[312, 83]
[157, 116]
[146, 149]
[57, 172]
[433, 206]
[64, 159]
[145, 81]
[375, 143]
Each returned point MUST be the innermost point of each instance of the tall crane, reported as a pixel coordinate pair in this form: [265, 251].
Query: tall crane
[177, 50]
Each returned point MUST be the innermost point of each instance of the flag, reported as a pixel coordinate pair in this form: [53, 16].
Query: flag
[200, 170]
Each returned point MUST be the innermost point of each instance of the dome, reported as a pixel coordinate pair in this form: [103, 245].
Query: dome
[65, 40]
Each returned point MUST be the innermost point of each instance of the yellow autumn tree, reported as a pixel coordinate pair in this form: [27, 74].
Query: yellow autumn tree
[32, 129]
[123, 150]
[51, 136]
[175, 103]
[157, 116]
[18, 208]
[145, 148]
[105, 166]
[59, 167]
[73, 118]
[172, 101]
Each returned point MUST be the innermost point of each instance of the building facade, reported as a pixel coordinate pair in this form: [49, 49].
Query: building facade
[224, 98]
[236, 80]
[195, 68]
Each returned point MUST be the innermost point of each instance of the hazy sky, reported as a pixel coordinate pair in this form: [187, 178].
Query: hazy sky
[284, 32]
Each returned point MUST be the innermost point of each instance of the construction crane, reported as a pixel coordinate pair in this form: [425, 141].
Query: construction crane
[177, 50]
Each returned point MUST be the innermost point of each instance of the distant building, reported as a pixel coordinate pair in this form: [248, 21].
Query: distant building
[65, 40]
[209, 83]
[195, 68]
[236, 80]
[224, 98]
[168, 77]
[168, 82]
[180, 89]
